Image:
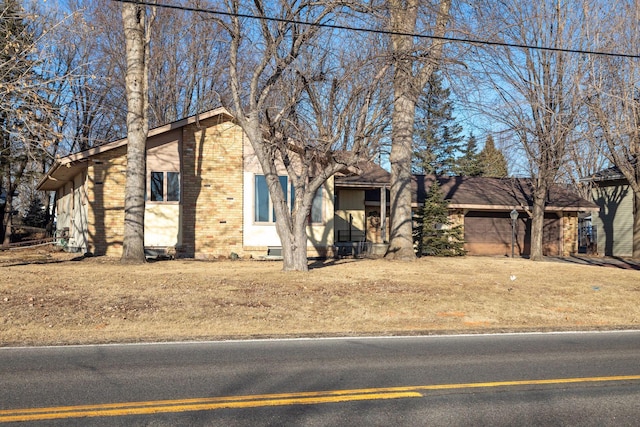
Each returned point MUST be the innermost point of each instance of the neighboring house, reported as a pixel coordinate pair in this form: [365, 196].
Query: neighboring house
[206, 197]
[614, 219]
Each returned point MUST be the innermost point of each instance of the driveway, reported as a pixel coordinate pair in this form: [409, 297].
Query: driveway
[615, 262]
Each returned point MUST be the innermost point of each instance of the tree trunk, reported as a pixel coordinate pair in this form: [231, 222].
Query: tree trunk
[410, 77]
[401, 232]
[403, 19]
[6, 219]
[537, 221]
[137, 126]
[294, 247]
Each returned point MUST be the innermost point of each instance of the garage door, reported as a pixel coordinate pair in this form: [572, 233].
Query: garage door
[489, 233]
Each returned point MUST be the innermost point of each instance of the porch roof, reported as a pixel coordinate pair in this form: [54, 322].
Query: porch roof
[366, 175]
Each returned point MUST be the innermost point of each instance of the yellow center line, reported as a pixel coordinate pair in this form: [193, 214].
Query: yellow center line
[274, 399]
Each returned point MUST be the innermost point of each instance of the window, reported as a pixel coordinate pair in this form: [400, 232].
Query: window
[264, 211]
[316, 207]
[263, 208]
[173, 187]
[157, 186]
[262, 199]
[165, 187]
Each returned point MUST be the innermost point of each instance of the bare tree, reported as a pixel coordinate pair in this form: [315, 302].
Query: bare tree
[26, 113]
[614, 95]
[537, 90]
[301, 106]
[413, 64]
[185, 77]
[135, 31]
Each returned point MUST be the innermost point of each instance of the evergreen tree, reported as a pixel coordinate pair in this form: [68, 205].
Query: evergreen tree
[469, 163]
[434, 233]
[492, 161]
[36, 215]
[438, 139]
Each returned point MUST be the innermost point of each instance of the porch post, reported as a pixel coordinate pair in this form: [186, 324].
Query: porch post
[383, 213]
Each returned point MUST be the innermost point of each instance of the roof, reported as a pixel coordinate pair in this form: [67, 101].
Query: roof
[609, 174]
[65, 168]
[475, 193]
[498, 193]
[364, 175]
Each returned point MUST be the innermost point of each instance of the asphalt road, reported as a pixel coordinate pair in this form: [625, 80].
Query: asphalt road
[532, 379]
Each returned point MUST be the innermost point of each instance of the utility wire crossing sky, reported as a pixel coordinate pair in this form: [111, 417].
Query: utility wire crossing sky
[370, 30]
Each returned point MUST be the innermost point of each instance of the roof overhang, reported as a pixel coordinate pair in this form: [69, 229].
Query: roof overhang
[64, 169]
[61, 172]
[506, 208]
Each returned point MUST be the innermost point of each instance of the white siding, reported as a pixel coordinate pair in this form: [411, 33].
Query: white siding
[72, 213]
[162, 225]
[265, 234]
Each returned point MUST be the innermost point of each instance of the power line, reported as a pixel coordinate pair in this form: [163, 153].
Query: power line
[373, 31]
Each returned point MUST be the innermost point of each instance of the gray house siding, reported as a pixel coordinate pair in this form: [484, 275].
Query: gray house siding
[614, 221]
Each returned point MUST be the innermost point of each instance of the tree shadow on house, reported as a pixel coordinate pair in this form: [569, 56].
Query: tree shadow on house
[609, 199]
[191, 167]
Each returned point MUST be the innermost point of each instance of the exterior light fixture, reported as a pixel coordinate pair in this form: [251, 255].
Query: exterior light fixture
[514, 217]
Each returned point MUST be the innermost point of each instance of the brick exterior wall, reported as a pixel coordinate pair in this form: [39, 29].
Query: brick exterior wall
[569, 233]
[106, 177]
[212, 179]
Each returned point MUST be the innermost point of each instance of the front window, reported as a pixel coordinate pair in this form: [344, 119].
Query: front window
[263, 207]
[263, 201]
[165, 187]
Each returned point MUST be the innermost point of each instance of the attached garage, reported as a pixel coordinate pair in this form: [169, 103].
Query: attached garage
[482, 205]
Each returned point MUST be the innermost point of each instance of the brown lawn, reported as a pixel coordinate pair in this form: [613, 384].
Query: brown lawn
[48, 298]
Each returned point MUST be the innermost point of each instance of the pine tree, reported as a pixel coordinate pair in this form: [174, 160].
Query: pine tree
[469, 163]
[434, 233]
[492, 161]
[36, 215]
[438, 139]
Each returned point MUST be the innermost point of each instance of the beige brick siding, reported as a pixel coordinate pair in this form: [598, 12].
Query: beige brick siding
[212, 189]
[569, 233]
[211, 178]
[106, 177]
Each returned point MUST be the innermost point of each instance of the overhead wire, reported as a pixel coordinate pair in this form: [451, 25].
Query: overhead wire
[378, 31]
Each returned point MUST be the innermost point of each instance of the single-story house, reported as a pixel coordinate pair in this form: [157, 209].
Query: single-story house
[206, 197]
[613, 222]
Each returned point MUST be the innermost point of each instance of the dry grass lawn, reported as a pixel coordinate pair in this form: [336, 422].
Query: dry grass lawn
[47, 298]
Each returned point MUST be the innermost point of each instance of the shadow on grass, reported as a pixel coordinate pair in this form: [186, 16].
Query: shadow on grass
[330, 262]
[615, 262]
